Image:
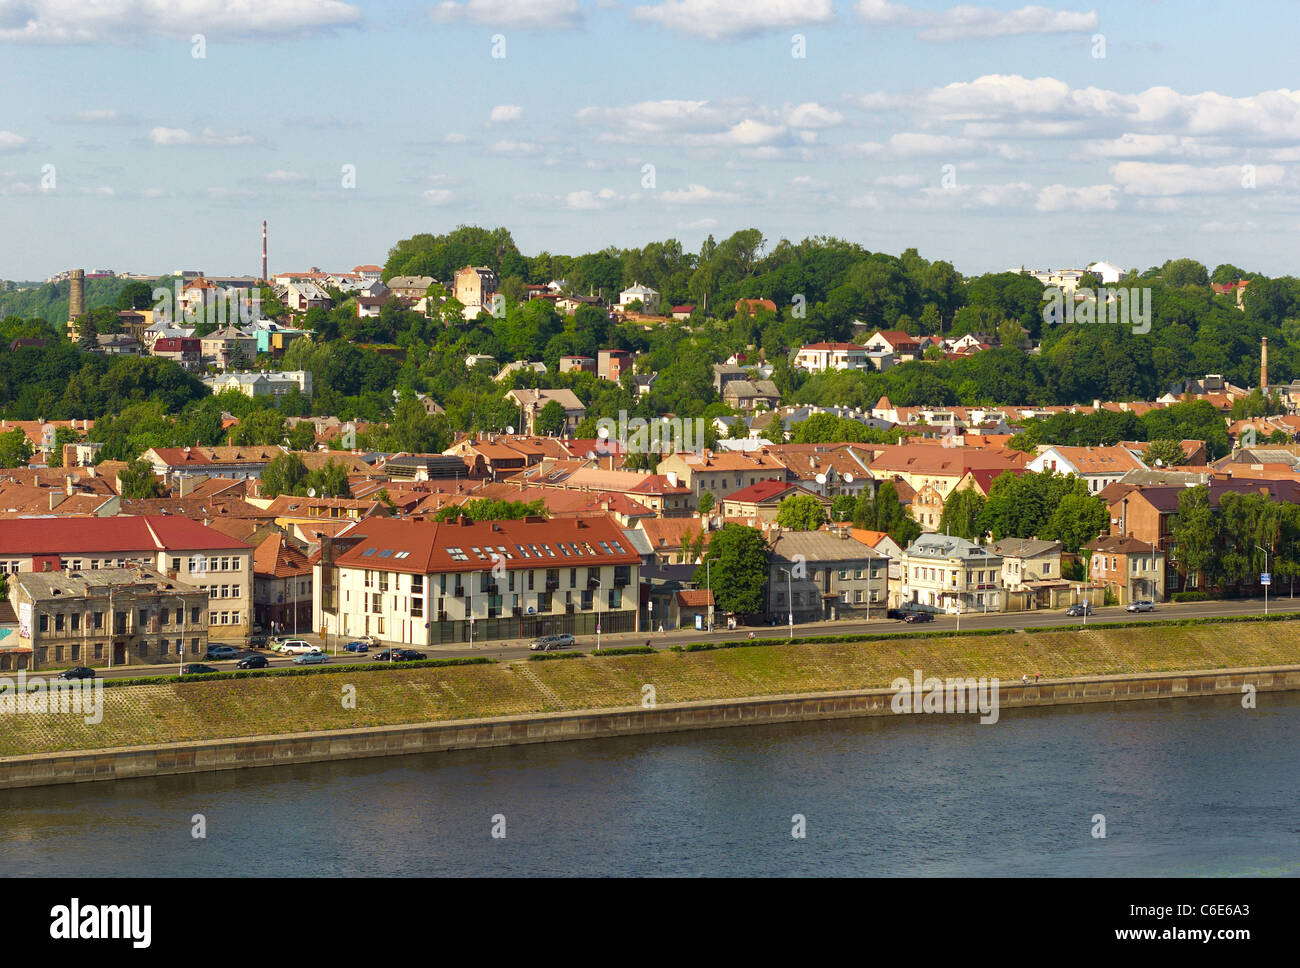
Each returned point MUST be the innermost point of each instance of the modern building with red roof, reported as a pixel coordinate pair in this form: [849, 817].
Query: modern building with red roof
[178, 547]
[423, 583]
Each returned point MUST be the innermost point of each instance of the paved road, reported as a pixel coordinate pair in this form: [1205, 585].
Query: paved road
[518, 648]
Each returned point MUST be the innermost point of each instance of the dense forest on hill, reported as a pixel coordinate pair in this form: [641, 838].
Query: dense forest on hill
[823, 288]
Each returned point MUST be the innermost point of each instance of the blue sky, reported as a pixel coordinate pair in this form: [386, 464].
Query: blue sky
[987, 134]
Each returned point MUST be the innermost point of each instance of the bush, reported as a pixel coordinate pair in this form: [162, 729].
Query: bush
[630, 650]
[548, 656]
[1190, 596]
[296, 671]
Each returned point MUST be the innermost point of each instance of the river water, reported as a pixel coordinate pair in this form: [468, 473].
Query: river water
[1186, 787]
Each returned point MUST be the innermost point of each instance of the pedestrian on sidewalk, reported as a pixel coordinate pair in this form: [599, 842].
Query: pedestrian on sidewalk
[1024, 679]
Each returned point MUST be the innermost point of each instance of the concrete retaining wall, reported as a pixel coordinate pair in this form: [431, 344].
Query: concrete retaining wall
[232, 754]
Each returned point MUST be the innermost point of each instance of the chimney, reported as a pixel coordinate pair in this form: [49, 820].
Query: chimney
[1123, 516]
[77, 294]
[1263, 367]
[264, 276]
[67, 484]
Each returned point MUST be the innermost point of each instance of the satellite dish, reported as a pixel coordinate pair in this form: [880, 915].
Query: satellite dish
[821, 478]
[510, 430]
[311, 492]
[848, 478]
[602, 432]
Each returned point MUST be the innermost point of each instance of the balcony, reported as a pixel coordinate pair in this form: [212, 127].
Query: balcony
[552, 584]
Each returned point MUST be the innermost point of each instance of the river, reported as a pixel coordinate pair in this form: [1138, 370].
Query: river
[1186, 787]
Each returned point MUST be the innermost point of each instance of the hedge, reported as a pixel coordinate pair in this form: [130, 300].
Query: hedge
[296, 671]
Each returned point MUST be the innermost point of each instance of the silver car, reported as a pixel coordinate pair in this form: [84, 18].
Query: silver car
[1142, 606]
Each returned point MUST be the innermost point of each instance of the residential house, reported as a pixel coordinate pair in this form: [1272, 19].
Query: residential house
[1133, 570]
[951, 574]
[823, 575]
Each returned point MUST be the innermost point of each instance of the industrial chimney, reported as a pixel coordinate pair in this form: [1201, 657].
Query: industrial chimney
[1263, 368]
[264, 278]
[77, 294]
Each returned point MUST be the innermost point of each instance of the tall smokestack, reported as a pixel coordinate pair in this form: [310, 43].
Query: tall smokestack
[77, 294]
[1263, 368]
[264, 279]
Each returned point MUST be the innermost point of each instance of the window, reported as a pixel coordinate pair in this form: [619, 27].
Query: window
[212, 618]
[194, 614]
[44, 624]
[75, 619]
[58, 622]
[615, 599]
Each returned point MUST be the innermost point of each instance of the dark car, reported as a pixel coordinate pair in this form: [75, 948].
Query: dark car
[197, 669]
[899, 613]
[252, 662]
[257, 640]
[218, 653]
[1078, 609]
[79, 672]
[409, 655]
[918, 617]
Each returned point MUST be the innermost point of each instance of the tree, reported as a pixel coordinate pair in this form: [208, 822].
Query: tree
[706, 503]
[283, 475]
[1164, 453]
[15, 449]
[842, 507]
[739, 557]
[137, 480]
[801, 512]
[550, 420]
[328, 481]
[490, 509]
[302, 436]
[961, 513]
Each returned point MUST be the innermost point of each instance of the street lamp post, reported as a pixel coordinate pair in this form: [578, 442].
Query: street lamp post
[601, 585]
[1270, 578]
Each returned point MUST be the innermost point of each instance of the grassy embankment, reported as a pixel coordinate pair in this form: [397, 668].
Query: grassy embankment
[260, 705]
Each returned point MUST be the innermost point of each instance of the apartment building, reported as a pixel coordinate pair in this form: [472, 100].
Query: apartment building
[818, 357]
[1133, 570]
[950, 574]
[183, 550]
[824, 575]
[722, 473]
[420, 583]
[474, 287]
[112, 616]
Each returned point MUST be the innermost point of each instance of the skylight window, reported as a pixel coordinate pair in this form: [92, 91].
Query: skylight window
[367, 553]
[402, 554]
[386, 553]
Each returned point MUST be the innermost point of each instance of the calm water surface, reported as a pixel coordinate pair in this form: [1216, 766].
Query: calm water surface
[1187, 787]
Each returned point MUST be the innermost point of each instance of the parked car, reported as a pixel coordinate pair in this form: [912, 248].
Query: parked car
[196, 669]
[1079, 608]
[918, 617]
[357, 646]
[898, 613]
[311, 658]
[217, 653]
[257, 640]
[1143, 606]
[296, 647]
[398, 655]
[252, 662]
[77, 672]
[548, 642]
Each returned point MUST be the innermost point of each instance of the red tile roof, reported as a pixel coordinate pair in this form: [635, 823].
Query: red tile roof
[428, 547]
[61, 536]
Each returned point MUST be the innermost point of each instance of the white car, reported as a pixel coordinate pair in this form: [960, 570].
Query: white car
[296, 647]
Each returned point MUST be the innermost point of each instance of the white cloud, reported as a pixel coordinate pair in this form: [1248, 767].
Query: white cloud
[695, 195]
[735, 123]
[123, 21]
[438, 196]
[698, 224]
[725, 19]
[504, 113]
[207, 138]
[282, 177]
[964, 195]
[100, 116]
[966, 21]
[813, 115]
[12, 142]
[454, 138]
[585, 201]
[517, 148]
[1153, 179]
[510, 13]
[1068, 198]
